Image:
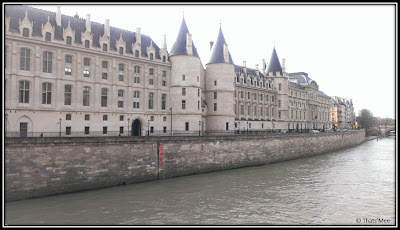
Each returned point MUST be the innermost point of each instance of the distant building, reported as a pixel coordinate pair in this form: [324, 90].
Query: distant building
[78, 77]
[342, 113]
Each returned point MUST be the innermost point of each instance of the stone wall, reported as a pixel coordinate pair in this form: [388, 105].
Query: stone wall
[37, 167]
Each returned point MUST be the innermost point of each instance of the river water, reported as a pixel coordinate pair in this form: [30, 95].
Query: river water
[355, 186]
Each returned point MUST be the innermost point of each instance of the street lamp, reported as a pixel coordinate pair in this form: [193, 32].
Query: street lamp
[59, 122]
[128, 125]
[239, 128]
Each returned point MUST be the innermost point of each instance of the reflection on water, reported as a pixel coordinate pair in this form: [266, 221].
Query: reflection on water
[348, 187]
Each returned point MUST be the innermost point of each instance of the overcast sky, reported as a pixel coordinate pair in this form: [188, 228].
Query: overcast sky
[349, 50]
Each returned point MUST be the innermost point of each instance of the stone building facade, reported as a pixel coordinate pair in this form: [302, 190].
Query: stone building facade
[72, 76]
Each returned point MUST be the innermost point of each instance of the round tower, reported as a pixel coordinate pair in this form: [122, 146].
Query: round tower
[220, 86]
[185, 91]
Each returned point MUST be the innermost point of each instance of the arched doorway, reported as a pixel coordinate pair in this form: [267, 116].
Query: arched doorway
[136, 128]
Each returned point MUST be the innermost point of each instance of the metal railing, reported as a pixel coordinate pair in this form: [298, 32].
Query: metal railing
[175, 133]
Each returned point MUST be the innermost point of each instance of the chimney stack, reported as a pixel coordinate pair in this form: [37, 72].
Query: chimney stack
[88, 23]
[138, 36]
[58, 16]
[283, 66]
[107, 27]
[189, 49]
[226, 53]
[165, 42]
[211, 44]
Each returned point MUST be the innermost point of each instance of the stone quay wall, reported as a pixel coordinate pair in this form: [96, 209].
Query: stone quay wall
[38, 167]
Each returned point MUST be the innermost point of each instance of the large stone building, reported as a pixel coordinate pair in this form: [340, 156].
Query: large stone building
[71, 76]
[342, 113]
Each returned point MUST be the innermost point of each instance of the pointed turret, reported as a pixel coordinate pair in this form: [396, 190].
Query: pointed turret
[274, 65]
[220, 52]
[183, 42]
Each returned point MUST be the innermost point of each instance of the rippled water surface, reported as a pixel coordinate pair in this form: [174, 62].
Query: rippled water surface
[349, 187]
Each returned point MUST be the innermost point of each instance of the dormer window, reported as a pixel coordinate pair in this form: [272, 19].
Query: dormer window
[136, 53]
[121, 50]
[151, 56]
[163, 58]
[87, 43]
[48, 36]
[69, 40]
[25, 32]
[105, 47]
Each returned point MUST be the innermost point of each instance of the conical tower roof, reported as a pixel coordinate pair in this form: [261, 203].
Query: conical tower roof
[179, 47]
[217, 53]
[274, 65]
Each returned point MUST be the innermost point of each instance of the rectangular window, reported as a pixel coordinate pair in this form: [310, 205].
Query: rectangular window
[215, 95]
[151, 98]
[67, 130]
[120, 104]
[47, 62]
[67, 94]
[86, 73]
[105, 47]
[215, 106]
[164, 118]
[136, 105]
[136, 94]
[121, 130]
[69, 40]
[87, 117]
[104, 130]
[86, 62]
[121, 118]
[136, 53]
[24, 92]
[68, 71]
[163, 101]
[104, 76]
[150, 81]
[164, 129]
[163, 83]
[120, 93]
[25, 32]
[120, 77]
[68, 117]
[87, 43]
[186, 126]
[215, 82]
[164, 73]
[86, 130]
[151, 71]
[227, 125]
[104, 64]
[151, 56]
[48, 36]
[105, 117]
[183, 77]
[121, 50]
[163, 58]
[68, 59]
[121, 67]
[136, 80]
[151, 129]
[136, 69]
[46, 93]
[183, 104]
[25, 59]
[104, 97]
[86, 96]
[183, 91]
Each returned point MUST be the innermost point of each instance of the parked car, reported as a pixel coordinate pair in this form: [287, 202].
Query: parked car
[329, 131]
[314, 131]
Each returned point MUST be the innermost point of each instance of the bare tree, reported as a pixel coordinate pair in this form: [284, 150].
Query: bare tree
[365, 119]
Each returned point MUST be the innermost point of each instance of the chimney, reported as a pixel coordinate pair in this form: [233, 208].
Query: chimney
[226, 53]
[189, 49]
[107, 28]
[211, 44]
[264, 65]
[256, 66]
[244, 63]
[165, 42]
[58, 16]
[283, 66]
[244, 67]
[88, 23]
[138, 36]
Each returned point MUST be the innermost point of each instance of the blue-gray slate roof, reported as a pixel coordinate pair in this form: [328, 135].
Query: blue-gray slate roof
[274, 65]
[217, 53]
[39, 17]
[292, 84]
[179, 47]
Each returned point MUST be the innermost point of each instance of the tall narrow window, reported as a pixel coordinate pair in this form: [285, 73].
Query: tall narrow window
[151, 71]
[24, 92]
[25, 59]
[164, 73]
[163, 58]
[86, 61]
[48, 36]
[163, 101]
[136, 53]
[86, 96]
[105, 47]
[121, 50]
[183, 91]
[87, 43]
[104, 64]
[67, 94]
[68, 59]
[136, 69]
[183, 77]
[69, 40]
[47, 62]
[46, 93]
[25, 32]
[215, 95]
[121, 67]
[151, 98]
[68, 71]
[103, 97]
[151, 56]
[186, 126]
[183, 104]
[215, 106]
